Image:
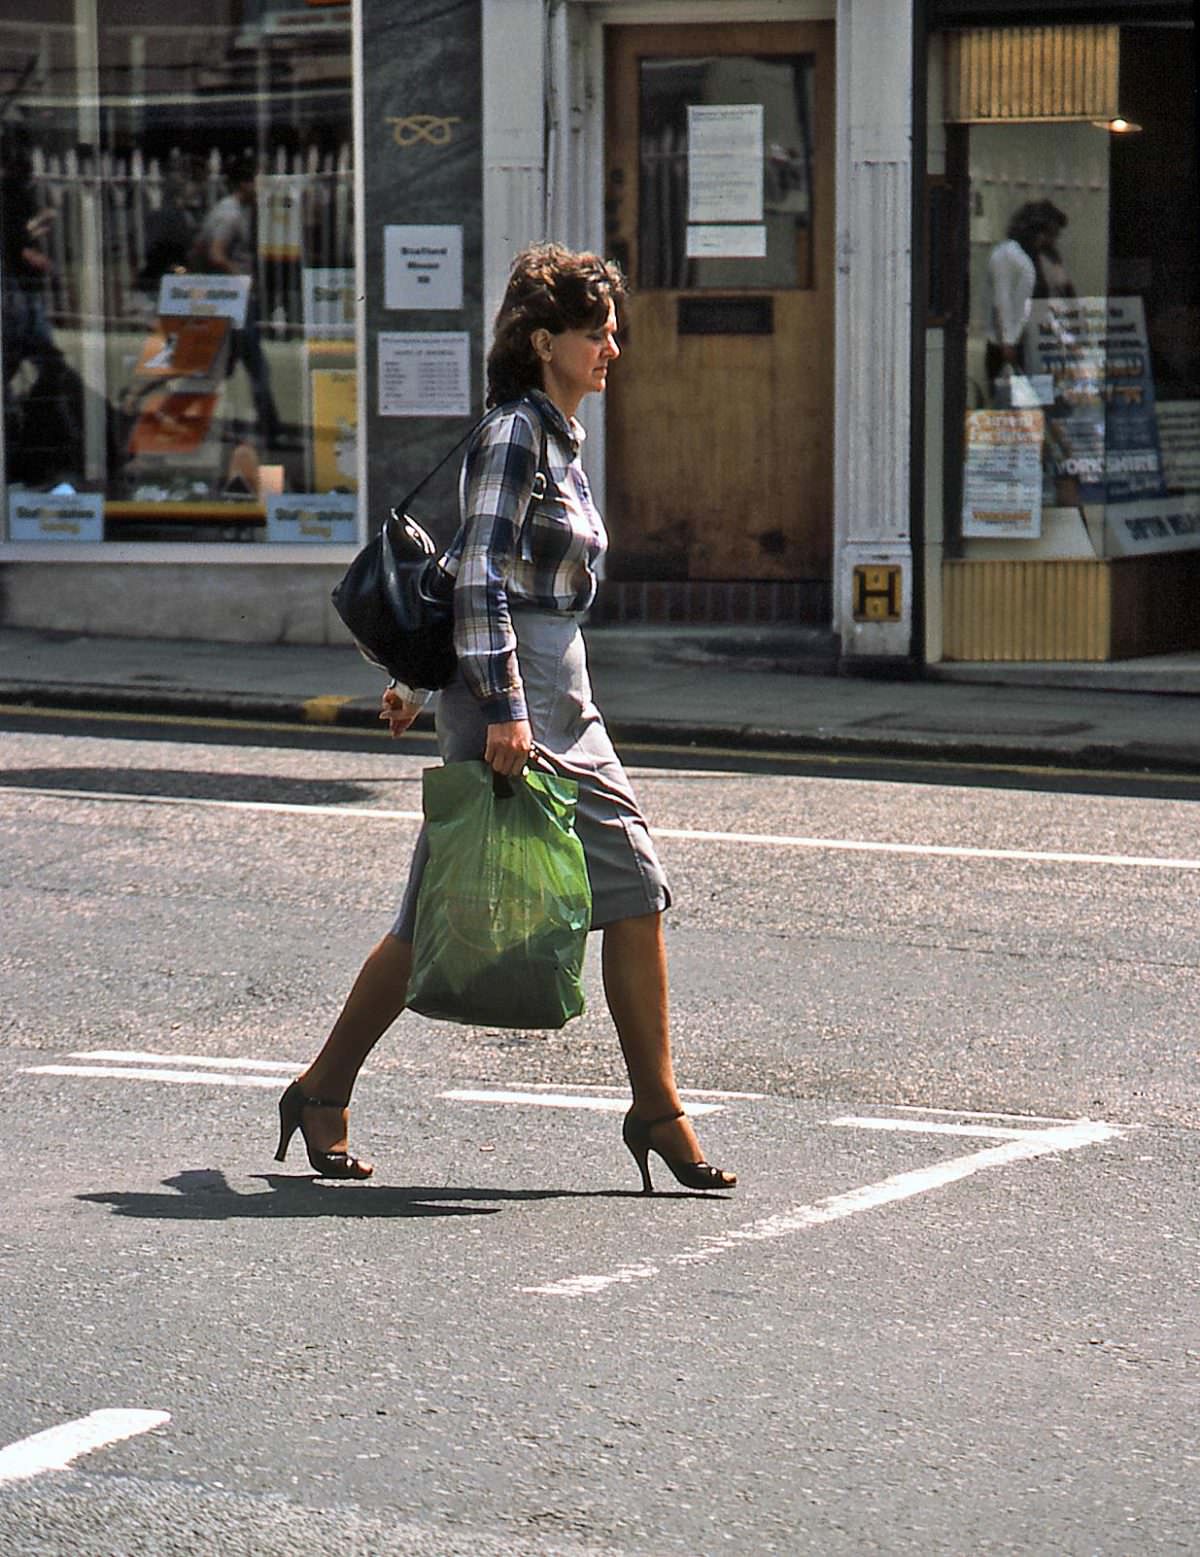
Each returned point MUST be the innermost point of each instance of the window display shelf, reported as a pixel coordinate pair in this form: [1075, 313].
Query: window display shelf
[190, 512]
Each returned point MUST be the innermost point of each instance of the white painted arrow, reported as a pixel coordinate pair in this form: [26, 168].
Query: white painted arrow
[56, 1447]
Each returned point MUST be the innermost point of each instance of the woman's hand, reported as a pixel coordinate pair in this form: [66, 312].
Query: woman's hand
[508, 747]
[398, 711]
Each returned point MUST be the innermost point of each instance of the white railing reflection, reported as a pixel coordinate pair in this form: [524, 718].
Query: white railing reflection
[151, 211]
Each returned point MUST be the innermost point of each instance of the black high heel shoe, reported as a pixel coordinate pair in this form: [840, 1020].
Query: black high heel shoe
[326, 1165]
[635, 1133]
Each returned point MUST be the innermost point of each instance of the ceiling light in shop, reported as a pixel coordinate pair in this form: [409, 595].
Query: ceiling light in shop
[1118, 125]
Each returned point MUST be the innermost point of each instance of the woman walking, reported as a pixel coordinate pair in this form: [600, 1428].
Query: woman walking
[524, 570]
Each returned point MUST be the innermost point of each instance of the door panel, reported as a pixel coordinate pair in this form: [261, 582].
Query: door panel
[720, 414]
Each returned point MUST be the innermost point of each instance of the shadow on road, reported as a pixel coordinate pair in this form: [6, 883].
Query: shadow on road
[175, 782]
[205, 1195]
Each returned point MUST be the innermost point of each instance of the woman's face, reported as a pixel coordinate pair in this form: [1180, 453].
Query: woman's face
[576, 361]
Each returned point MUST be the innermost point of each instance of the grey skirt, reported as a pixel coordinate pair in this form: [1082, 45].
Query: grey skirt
[626, 876]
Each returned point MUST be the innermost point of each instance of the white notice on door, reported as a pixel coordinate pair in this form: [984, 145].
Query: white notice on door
[725, 162]
[728, 240]
[425, 374]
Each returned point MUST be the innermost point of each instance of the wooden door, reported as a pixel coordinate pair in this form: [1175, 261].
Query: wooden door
[720, 413]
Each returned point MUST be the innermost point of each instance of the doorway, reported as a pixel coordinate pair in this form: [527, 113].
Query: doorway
[719, 206]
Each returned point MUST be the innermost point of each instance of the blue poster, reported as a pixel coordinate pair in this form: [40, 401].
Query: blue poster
[1102, 431]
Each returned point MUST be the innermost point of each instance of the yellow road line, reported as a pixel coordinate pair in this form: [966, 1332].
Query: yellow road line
[812, 756]
[323, 710]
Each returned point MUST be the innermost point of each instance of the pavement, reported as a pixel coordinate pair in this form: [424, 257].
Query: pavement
[742, 689]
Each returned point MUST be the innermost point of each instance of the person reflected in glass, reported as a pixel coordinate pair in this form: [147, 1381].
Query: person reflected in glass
[228, 243]
[172, 230]
[523, 574]
[1026, 265]
[43, 426]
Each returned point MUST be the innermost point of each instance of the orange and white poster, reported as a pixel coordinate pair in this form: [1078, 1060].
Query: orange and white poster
[173, 423]
[1002, 474]
[183, 348]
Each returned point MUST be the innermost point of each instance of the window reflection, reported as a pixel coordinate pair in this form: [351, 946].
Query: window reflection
[726, 172]
[178, 280]
[1079, 314]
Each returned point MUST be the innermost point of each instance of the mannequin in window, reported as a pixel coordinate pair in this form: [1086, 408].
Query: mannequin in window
[1027, 264]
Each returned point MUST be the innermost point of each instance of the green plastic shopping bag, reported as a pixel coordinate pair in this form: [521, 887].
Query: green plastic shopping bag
[505, 904]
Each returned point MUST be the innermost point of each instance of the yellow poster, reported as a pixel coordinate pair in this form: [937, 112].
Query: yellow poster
[335, 429]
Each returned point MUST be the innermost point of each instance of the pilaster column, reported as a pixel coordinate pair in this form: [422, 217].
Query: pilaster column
[420, 151]
[873, 329]
[514, 138]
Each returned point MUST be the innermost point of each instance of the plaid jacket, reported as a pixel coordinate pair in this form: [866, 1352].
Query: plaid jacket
[511, 552]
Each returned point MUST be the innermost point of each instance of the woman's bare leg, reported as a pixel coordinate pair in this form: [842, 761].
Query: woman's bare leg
[375, 1000]
[634, 964]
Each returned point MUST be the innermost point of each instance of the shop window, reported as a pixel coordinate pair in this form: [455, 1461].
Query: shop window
[726, 172]
[178, 272]
[1072, 348]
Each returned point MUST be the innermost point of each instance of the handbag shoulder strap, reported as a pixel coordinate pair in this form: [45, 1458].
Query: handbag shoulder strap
[544, 484]
[402, 505]
[543, 481]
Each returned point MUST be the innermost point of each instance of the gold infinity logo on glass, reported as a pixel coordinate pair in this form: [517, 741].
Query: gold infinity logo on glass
[417, 128]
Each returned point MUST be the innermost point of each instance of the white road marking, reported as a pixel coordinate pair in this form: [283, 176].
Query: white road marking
[973, 1113]
[199, 1078]
[603, 1105]
[929, 1127]
[56, 1447]
[591, 1086]
[273, 807]
[137, 1056]
[683, 834]
[932, 850]
[899, 1186]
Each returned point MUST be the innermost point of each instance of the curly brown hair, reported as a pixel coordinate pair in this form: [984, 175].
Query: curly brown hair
[553, 288]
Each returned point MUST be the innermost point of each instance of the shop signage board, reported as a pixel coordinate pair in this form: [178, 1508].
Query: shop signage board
[1102, 427]
[55, 516]
[328, 301]
[1002, 474]
[1155, 525]
[423, 267]
[424, 373]
[205, 297]
[297, 518]
[878, 593]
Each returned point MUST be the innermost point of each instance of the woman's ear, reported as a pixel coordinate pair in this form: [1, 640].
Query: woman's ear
[542, 342]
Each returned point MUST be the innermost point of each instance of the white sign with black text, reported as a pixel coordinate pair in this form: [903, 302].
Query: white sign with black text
[727, 240]
[423, 267]
[425, 373]
[725, 162]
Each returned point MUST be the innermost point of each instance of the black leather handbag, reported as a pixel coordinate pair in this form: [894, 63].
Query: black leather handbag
[396, 600]
[398, 603]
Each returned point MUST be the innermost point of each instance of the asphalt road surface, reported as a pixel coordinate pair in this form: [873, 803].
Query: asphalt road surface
[945, 1031]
